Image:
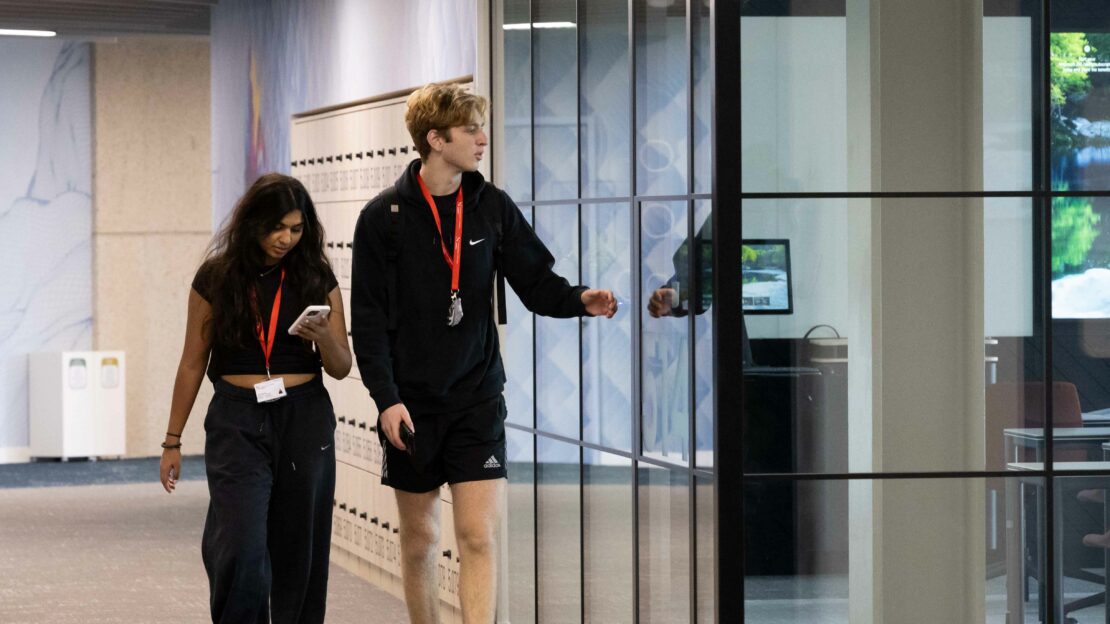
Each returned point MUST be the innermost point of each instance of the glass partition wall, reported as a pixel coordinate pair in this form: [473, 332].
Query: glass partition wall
[922, 419]
[602, 134]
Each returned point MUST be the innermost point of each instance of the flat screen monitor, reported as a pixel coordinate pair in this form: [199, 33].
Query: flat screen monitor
[1080, 156]
[765, 276]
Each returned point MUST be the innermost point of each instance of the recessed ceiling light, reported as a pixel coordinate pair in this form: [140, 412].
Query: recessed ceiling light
[26, 33]
[538, 25]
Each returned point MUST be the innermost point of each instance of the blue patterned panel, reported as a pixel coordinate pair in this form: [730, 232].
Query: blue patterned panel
[661, 100]
[516, 119]
[556, 112]
[557, 368]
[607, 343]
[665, 341]
[606, 99]
[703, 101]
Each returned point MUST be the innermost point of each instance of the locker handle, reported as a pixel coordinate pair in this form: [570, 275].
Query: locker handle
[362, 515]
[358, 155]
[339, 158]
[329, 159]
[447, 554]
[331, 244]
[396, 531]
[351, 422]
[302, 163]
[404, 149]
[350, 245]
[362, 425]
[312, 161]
[393, 151]
[373, 428]
[370, 154]
[374, 520]
[293, 163]
[333, 502]
[354, 511]
[348, 334]
[385, 525]
[342, 419]
[350, 156]
[343, 506]
[381, 152]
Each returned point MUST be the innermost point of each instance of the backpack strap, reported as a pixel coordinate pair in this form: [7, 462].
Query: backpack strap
[392, 250]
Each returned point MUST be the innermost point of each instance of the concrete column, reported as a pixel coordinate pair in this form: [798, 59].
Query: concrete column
[926, 301]
[152, 219]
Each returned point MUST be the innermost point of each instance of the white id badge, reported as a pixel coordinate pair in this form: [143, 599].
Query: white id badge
[269, 390]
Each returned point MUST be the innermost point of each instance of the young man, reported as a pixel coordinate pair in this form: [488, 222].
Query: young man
[426, 343]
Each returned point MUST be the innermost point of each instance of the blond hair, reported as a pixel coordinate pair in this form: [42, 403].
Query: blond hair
[440, 107]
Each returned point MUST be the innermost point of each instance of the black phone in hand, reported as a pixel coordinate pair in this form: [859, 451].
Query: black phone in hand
[408, 438]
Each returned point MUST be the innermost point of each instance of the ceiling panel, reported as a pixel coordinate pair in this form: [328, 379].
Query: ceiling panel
[105, 18]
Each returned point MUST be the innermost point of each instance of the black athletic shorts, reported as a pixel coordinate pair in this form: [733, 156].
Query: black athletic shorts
[450, 448]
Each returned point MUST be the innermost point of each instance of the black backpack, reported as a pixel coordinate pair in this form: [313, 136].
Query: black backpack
[393, 249]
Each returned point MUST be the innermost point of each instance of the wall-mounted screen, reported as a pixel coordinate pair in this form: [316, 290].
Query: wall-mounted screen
[765, 276]
[1080, 95]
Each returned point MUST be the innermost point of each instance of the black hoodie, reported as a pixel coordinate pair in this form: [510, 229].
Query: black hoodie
[424, 363]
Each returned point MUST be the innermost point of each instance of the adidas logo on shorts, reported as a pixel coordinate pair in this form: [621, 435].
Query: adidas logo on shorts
[492, 462]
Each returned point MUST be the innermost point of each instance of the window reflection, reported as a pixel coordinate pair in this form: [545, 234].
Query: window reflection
[607, 344]
[665, 339]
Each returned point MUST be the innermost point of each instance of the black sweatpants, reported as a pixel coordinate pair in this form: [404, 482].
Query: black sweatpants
[271, 478]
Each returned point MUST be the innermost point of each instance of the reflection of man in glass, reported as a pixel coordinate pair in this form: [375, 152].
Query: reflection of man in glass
[673, 298]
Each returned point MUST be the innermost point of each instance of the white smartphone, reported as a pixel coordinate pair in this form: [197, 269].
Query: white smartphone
[311, 311]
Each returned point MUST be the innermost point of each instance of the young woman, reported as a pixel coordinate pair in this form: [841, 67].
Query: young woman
[270, 427]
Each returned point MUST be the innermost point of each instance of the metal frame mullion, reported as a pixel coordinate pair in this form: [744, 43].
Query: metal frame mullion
[1049, 571]
[535, 385]
[614, 199]
[691, 316]
[724, 43]
[581, 320]
[637, 314]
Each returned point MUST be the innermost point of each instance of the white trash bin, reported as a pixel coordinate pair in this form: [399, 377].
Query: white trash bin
[78, 404]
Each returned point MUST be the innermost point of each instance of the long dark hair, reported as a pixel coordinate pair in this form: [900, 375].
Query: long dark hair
[235, 256]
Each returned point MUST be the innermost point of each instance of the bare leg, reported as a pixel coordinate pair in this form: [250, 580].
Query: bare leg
[419, 545]
[477, 519]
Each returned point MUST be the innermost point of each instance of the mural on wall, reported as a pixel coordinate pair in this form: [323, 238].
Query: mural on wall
[45, 214]
[299, 56]
[256, 144]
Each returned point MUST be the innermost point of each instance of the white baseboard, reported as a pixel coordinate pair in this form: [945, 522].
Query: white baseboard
[15, 454]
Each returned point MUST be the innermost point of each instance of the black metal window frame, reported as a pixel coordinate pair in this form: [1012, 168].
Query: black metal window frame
[727, 191]
[692, 472]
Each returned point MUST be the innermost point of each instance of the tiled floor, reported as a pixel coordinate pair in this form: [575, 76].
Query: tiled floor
[127, 552]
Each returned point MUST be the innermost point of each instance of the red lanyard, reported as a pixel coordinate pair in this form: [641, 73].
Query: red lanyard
[455, 262]
[267, 342]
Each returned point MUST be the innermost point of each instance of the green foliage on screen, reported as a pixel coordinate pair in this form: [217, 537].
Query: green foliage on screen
[1069, 78]
[1074, 232]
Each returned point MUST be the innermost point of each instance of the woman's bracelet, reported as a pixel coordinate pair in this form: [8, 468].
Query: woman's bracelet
[173, 435]
[171, 446]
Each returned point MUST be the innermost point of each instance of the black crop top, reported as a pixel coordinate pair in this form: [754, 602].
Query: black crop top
[291, 354]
